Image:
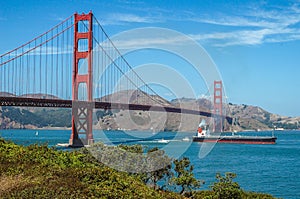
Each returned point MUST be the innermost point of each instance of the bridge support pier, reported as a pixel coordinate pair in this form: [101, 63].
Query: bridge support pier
[82, 111]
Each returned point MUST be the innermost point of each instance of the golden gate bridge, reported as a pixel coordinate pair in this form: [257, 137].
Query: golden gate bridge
[76, 65]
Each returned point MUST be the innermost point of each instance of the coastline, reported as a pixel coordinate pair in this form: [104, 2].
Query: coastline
[149, 130]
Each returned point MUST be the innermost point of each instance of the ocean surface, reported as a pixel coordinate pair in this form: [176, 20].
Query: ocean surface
[273, 169]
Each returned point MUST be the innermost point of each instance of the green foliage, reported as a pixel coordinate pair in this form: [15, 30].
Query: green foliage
[151, 167]
[225, 187]
[21, 116]
[42, 172]
[204, 194]
[209, 194]
[253, 195]
[39, 118]
[132, 148]
[184, 176]
[54, 117]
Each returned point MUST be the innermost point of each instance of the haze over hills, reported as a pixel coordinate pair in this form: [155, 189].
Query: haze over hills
[247, 117]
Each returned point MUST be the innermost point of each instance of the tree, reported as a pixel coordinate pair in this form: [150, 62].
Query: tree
[160, 165]
[184, 177]
[225, 188]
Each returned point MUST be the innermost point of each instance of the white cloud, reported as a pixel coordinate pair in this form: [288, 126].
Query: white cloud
[251, 26]
[232, 38]
[248, 37]
[122, 18]
[255, 27]
[148, 41]
[218, 39]
[233, 21]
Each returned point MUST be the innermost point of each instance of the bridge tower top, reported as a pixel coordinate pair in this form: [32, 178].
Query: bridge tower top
[83, 52]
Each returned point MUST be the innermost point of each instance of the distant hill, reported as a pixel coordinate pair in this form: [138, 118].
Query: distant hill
[256, 118]
[136, 97]
[20, 117]
[247, 117]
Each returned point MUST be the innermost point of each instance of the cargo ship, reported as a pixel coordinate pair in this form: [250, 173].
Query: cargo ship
[203, 135]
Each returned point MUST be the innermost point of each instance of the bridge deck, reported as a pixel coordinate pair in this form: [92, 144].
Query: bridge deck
[59, 103]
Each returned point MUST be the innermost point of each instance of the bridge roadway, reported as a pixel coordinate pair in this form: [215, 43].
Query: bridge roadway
[60, 103]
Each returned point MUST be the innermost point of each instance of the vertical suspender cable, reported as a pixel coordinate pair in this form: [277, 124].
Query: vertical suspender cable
[52, 66]
[67, 63]
[10, 77]
[62, 62]
[102, 69]
[4, 77]
[13, 80]
[111, 70]
[34, 66]
[8, 74]
[21, 74]
[104, 73]
[56, 79]
[27, 72]
[1, 78]
[16, 76]
[46, 66]
[1, 69]
[40, 68]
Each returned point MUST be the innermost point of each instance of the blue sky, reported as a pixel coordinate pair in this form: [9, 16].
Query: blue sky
[255, 44]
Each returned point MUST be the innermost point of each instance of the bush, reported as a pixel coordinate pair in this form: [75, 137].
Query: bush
[225, 188]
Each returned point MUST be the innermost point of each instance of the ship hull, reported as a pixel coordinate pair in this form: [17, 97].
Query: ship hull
[236, 139]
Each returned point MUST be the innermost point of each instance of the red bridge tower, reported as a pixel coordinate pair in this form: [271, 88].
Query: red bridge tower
[218, 107]
[82, 111]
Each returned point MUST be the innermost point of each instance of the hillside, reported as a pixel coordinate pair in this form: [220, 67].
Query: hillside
[15, 117]
[247, 117]
[255, 118]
